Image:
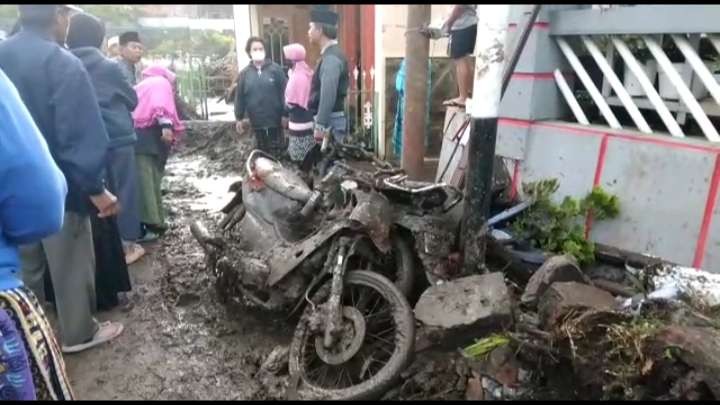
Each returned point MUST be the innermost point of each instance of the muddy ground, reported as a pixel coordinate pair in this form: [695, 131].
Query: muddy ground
[179, 342]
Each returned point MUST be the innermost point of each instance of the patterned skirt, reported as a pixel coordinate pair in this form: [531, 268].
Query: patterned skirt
[31, 363]
[299, 144]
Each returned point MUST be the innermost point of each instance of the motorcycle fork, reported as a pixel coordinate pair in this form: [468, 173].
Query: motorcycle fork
[333, 320]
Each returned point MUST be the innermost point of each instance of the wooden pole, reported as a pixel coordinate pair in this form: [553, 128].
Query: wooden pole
[417, 53]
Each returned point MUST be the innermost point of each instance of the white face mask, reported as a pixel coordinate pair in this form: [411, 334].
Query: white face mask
[257, 56]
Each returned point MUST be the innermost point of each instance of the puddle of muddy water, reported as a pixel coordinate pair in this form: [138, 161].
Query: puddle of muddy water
[210, 190]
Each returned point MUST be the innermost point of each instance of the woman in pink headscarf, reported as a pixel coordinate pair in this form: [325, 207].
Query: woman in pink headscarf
[297, 95]
[157, 126]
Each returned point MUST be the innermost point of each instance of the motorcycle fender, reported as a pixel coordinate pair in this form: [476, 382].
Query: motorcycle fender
[285, 258]
[374, 212]
[433, 241]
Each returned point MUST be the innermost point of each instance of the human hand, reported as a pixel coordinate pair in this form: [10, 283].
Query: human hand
[106, 204]
[319, 135]
[285, 122]
[167, 136]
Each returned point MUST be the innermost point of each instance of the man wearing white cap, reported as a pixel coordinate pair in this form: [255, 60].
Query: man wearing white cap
[113, 47]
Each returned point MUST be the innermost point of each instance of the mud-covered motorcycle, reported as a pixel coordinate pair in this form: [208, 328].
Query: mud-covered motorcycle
[338, 254]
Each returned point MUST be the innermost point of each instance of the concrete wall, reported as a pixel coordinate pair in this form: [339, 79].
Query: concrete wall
[668, 188]
[394, 25]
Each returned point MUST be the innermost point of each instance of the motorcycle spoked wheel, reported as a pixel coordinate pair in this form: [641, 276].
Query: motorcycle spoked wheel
[366, 365]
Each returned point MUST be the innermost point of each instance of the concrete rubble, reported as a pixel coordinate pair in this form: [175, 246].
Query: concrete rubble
[555, 269]
[467, 305]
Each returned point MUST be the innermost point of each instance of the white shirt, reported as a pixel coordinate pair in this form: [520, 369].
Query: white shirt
[330, 43]
[467, 19]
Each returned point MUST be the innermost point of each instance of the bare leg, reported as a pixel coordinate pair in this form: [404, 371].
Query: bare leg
[464, 78]
[463, 74]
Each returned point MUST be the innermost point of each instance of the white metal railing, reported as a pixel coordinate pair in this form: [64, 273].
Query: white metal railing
[687, 87]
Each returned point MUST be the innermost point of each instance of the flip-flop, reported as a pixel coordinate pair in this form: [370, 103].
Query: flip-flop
[106, 332]
[453, 103]
[135, 252]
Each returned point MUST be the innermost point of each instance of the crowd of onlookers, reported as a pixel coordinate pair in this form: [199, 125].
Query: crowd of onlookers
[84, 139]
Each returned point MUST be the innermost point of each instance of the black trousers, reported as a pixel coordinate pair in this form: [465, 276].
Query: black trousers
[271, 140]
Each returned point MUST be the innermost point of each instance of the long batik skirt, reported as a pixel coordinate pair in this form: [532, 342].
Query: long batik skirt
[31, 363]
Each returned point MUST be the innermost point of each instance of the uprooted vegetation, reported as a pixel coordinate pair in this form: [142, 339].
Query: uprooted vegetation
[560, 228]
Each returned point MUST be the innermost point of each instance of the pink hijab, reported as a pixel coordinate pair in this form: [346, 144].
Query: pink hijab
[297, 90]
[156, 98]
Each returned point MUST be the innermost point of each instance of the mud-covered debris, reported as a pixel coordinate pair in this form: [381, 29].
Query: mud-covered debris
[436, 375]
[276, 361]
[470, 304]
[699, 349]
[698, 286]
[562, 298]
[474, 391]
[186, 299]
[273, 375]
[556, 269]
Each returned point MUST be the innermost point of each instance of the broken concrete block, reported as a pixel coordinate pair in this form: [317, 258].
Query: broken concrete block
[699, 348]
[555, 269]
[562, 297]
[465, 308]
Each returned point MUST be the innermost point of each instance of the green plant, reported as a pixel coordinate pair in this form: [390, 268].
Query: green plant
[714, 64]
[483, 347]
[560, 228]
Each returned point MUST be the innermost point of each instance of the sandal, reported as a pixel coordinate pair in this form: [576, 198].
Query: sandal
[106, 332]
[133, 253]
[454, 103]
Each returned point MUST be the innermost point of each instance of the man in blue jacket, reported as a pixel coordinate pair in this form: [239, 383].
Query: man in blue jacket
[117, 100]
[32, 203]
[56, 89]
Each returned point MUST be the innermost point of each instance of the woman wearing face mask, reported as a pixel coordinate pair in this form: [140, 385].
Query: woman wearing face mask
[260, 93]
[297, 96]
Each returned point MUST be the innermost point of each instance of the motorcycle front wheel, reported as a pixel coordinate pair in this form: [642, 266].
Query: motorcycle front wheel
[375, 345]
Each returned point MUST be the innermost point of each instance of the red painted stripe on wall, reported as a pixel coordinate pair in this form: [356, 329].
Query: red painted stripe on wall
[654, 139]
[708, 215]
[515, 180]
[599, 167]
[601, 161]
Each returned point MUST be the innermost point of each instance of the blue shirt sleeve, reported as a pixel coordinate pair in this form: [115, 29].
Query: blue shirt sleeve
[32, 187]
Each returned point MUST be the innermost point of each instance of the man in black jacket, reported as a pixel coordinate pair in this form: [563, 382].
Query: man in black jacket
[117, 101]
[260, 93]
[57, 91]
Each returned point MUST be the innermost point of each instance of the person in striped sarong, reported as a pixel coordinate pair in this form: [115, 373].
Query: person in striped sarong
[32, 205]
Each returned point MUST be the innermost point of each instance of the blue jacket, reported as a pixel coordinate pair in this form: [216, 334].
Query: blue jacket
[32, 187]
[116, 97]
[56, 89]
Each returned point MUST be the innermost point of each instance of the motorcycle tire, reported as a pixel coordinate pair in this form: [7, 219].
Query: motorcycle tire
[383, 379]
[404, 277]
